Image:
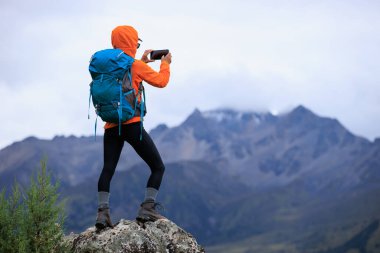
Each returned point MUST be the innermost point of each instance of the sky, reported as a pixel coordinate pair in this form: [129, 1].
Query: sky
[269, 55]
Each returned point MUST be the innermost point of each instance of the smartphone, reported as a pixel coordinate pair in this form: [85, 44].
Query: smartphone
[157, 54]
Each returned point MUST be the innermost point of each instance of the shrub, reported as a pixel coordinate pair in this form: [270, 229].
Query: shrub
[32, 221]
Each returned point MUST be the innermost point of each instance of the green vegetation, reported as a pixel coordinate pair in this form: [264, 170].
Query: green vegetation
[32, 220]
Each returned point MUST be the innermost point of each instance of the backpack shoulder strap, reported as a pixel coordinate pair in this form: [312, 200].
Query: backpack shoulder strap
[127, 81]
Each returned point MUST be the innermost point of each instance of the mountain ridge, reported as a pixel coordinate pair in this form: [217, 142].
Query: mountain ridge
[280, 147]
[231, 175]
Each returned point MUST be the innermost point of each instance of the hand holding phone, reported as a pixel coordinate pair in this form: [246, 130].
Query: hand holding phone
[167, 58]
[157, 54]
[145, 58]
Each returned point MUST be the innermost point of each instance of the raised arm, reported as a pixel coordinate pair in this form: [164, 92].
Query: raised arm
[158, 79]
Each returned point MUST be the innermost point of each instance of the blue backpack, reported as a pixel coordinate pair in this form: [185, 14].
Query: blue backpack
[111, 89]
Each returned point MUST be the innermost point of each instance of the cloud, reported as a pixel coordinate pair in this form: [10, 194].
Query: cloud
[250, 55]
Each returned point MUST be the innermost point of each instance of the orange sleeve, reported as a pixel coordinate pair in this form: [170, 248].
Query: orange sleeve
[146, 73]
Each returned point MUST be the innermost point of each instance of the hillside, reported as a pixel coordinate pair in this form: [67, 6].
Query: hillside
[296, 182]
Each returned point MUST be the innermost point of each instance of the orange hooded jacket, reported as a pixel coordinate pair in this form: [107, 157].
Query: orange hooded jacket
[126, 39]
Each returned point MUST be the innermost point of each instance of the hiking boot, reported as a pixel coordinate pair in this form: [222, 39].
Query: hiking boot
[148, 212]
[103, 218]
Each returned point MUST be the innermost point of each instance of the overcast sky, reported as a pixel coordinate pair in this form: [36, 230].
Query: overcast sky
[249, 55]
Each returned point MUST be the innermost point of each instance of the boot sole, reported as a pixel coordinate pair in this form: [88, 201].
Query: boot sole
[144, 219]
[100, 226]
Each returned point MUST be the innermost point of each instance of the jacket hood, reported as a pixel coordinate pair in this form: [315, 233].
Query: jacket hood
[126, 39]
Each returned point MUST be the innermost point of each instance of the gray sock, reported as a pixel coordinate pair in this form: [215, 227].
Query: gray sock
[103, 199]
[150, 194]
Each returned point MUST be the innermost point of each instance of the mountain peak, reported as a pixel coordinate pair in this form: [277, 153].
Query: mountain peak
[159, 129]
[193, 118]
[196, 113]
[301, 110]
[300, 114]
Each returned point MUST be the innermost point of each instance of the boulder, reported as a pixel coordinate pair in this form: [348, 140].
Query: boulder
[162, 236]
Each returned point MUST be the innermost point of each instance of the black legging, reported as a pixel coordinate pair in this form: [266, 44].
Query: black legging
[145, 148]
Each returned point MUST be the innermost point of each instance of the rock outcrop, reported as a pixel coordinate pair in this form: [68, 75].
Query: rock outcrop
[162, 236]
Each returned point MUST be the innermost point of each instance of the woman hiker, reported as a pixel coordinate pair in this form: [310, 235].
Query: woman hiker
[126, 38]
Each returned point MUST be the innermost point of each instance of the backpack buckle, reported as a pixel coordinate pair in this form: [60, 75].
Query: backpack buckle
[97, 109]
[116, 104]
